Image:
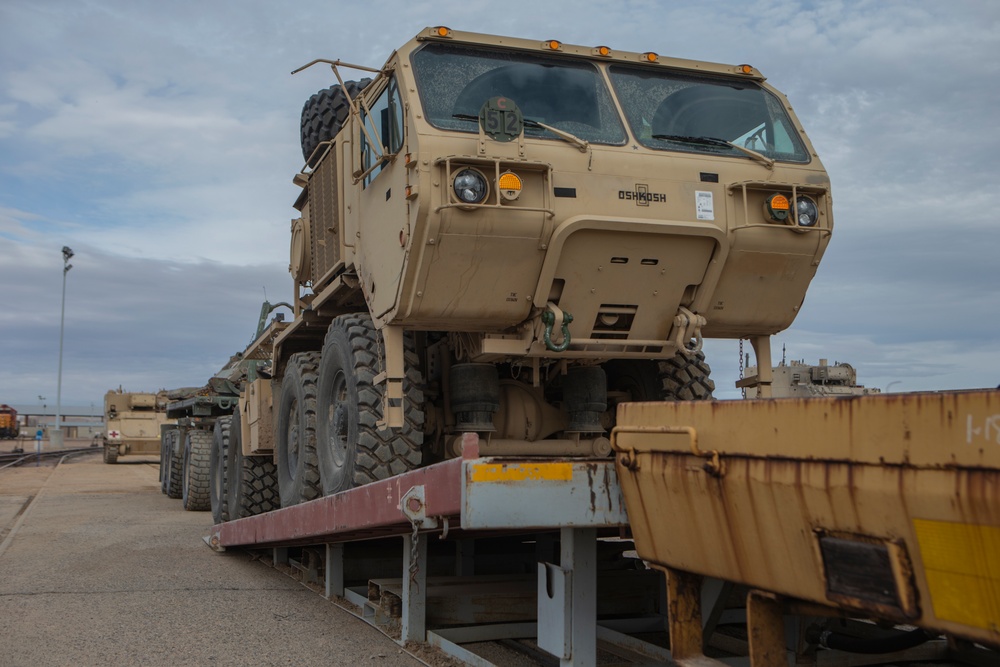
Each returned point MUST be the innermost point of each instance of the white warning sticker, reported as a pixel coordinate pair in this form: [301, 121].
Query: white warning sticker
[704, 205]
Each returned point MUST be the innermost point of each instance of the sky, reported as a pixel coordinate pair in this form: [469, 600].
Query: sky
[159, 141]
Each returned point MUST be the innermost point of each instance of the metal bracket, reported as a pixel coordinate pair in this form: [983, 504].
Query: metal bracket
[414, 507]
[392, 377]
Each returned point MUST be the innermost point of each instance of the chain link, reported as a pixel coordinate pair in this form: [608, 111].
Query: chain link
[414, 542]
[744, 389]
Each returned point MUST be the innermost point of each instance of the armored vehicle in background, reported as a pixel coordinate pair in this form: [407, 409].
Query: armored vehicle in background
[798, 379]
[132, 423]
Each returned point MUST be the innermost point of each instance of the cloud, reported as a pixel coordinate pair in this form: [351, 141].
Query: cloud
[159, 141]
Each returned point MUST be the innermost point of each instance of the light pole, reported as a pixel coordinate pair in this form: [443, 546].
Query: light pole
[56, 438]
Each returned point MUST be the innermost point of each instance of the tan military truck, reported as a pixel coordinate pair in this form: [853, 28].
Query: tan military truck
[511, 236]
[132, 423]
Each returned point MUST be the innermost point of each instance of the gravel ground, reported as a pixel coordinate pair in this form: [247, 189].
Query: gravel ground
[97, 567]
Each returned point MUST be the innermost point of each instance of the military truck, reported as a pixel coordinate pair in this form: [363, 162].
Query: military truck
[509, 237]
[132, 423]
[196, 442]
[186, 442]
[797, 379]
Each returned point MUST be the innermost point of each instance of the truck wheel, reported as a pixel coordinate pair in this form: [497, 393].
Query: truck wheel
[111, 453]
[680, 378]
[175, 467]
[197, 452]
[260, 486]
[685, 378]
[164, 464]
[324, 114]
[295, 430]
[252, 483]
[352, 450]
[217, 467]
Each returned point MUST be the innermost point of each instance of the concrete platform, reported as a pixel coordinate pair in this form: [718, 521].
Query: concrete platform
[97, 567]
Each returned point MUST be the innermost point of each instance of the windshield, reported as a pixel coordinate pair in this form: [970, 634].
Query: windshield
[671, 111]
[455, 81]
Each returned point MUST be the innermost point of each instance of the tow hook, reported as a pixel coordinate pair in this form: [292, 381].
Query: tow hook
[549, 320]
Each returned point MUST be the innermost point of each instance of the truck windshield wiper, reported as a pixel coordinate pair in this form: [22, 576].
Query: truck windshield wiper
[528, 122]
[565, 136]
[713, 141]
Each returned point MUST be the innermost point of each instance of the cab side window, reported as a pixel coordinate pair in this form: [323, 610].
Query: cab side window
[385, 125]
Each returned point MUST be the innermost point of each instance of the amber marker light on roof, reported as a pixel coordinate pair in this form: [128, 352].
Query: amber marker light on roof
[442, 31]
[553, 44]
[602, 51]
[651, 57]
[745, 69]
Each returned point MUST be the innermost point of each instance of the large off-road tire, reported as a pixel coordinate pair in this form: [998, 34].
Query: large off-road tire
[218, 470]
[164, 464]
[295, 431]
[111, 453]
[686, 378]
[252, 482]
[351, 448]
[324, 114]
[175, 466]
[680, 378]
[197, 455]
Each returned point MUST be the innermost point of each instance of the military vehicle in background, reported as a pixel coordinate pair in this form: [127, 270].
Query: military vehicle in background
[185, 443]
[132, 423]
[797, 379]
[197, 442]
[10, 428]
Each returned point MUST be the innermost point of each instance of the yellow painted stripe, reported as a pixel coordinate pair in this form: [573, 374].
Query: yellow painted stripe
[519, 472]
[962, 568]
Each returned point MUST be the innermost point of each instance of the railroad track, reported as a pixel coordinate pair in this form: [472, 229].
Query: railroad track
[14, 459]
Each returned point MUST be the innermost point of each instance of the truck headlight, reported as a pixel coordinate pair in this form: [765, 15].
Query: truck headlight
[806, 211]
[470, 186]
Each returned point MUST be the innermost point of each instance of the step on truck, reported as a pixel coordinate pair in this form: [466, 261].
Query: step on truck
[132, 423]
[509, 237]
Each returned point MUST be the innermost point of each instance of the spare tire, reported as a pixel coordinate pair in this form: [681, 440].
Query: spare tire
[324, 114]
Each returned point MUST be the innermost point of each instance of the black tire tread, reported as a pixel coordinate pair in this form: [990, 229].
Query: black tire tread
[260, 486]
[175, 483]
[303, 483]
[219, 466]
[196, 494]
[686, 378]
[252, 482]
[324, 114]
[382, 453]
[111, 453]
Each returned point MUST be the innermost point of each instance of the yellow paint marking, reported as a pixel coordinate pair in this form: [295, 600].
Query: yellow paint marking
[962, 567]
[519, 472]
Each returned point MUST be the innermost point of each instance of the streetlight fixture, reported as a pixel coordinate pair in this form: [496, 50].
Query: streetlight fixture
[56, 437]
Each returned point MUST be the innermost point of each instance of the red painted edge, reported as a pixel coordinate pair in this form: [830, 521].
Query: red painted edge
[368, 509]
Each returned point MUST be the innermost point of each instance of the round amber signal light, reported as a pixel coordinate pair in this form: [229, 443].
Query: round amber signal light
[777, 207]
[510, 185]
